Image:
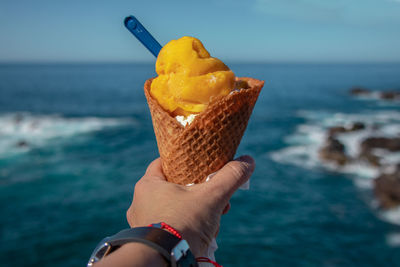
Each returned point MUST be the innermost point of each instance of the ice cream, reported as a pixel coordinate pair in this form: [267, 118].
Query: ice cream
[185, 120]
[199, 110]
[188, 77]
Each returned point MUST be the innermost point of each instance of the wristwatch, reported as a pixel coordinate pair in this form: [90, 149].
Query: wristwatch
[175, 250]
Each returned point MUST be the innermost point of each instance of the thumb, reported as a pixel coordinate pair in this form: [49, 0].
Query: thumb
[154, 171]
[228, 179]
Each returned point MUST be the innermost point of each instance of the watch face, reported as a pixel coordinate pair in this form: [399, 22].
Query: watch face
[181, 256]
[180, 250]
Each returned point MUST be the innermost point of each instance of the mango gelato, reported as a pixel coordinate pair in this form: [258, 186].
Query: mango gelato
[188, 77]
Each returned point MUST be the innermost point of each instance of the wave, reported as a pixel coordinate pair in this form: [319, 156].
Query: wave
[302, 146]
[20, 132]
[376, 96]
[393, 239]
[391, 216]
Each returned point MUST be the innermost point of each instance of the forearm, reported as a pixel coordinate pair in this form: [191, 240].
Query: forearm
[133, 255]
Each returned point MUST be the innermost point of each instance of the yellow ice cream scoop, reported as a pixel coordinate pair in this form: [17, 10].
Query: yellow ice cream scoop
[188, 77]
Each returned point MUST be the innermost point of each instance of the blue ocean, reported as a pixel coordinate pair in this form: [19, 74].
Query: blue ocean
[75, 138]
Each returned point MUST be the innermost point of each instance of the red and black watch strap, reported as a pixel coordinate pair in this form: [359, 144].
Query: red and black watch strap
[163, 225]
[174, 249]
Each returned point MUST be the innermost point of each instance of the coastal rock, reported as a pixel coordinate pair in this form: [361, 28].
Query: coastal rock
[387, 189]
[391, 144]
[334, 151]
[359, 91]
[356, 126]
[371, 158]
[384, 95]
[336, 130]
[22, 143]
[390, 95]
[371, 143]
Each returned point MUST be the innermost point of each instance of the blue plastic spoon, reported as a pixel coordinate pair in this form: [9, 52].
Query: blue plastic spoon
[140, 32]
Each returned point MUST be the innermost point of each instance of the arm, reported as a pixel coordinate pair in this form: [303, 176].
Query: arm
[195, 211]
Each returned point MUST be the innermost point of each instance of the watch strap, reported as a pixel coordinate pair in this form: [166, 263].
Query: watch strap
[160, 240]
[168, 245]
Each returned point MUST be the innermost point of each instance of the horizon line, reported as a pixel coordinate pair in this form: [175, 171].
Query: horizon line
[146, 62]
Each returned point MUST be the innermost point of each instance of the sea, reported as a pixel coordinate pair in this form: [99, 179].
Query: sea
[75, 138]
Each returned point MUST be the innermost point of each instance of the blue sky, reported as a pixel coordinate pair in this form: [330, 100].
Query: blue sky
[252, 30]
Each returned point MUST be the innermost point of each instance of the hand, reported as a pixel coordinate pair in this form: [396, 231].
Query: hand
[195, 211]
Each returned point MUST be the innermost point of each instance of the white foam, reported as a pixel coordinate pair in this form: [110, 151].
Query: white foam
[363, 183]
[391, 130]
[352, 141]
[370, 96]
[391, 216]
[390, 158]
[361, 170]
[297, 155]
[29, 130]
[393, 239]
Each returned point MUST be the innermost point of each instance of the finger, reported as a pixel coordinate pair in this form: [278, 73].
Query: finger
[129, 216]
[216, 233]
[227, 208]
[154, 170]
[228, 179]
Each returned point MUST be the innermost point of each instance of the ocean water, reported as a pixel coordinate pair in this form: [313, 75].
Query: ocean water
[74, 139]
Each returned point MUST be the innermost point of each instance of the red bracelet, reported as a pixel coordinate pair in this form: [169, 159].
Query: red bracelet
[167, 227]
[205, 259]
[175, 232]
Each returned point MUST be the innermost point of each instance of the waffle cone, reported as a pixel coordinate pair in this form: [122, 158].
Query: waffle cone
[189, 154]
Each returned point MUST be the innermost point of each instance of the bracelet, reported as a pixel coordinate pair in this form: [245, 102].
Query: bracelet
[168, 243]
[163, 225]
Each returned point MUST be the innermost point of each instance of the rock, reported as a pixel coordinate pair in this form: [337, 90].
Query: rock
[373, 159]
[357, 126]
[389, 95]
[357, 91]
[335, 130]
[334, 151]
[387, 189]
[391, 144]
[371, 143]
[22, 143]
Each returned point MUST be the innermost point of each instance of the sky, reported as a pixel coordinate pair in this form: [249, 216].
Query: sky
[233, 30]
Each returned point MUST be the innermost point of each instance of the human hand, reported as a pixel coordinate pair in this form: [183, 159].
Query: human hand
[195, 211]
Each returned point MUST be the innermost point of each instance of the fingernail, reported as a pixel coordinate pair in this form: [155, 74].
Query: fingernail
[246, 158]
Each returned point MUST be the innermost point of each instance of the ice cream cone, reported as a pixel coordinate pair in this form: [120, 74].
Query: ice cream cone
[189, 154]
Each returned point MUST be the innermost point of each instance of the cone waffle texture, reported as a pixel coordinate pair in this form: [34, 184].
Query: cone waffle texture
[189, 154]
